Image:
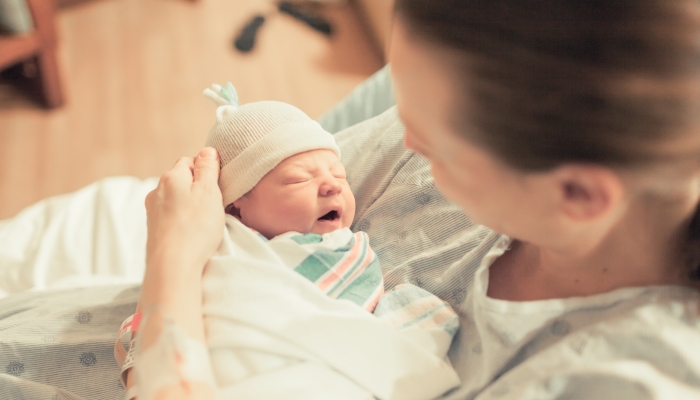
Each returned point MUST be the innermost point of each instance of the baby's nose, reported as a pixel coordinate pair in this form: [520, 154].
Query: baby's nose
[331, 187]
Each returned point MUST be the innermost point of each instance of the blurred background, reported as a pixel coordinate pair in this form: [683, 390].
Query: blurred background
[96, 88]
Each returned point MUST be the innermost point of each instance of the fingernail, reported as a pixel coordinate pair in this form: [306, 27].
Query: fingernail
[207, 152]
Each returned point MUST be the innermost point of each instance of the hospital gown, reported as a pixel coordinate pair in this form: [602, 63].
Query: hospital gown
[633, 343]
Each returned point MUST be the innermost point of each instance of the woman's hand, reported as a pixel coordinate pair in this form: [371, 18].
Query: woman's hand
[185, 227]
[186, 215]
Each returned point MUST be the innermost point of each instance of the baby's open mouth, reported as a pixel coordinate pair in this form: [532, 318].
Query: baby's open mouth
[330, 216]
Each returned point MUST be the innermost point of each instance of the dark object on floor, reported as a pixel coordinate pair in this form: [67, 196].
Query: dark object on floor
[246, 39]
[314, 21]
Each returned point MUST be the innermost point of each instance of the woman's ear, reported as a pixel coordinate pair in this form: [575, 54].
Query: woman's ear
[588, 192]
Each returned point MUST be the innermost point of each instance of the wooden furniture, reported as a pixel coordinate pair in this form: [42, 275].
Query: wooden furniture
[38, 46]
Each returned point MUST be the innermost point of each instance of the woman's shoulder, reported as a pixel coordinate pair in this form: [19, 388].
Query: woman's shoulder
[633, 322]
[643, 347]
[657, 324]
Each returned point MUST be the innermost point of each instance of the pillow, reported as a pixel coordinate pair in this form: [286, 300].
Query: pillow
[369, 99]
[419, 236]
[15, 17]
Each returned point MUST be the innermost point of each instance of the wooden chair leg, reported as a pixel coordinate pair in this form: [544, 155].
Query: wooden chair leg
[47, 67]
[43, 12]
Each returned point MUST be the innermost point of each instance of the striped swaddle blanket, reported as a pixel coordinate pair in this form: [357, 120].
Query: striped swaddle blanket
[340, 263]
[343, 266]
[408, 307]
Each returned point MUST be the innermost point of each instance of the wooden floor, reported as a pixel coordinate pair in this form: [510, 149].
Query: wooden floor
[133, 72]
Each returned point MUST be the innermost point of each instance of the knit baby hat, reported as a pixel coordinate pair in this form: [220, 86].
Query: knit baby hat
[253, 138]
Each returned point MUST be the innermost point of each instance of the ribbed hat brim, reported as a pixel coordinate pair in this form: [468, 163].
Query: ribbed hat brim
[245, 171]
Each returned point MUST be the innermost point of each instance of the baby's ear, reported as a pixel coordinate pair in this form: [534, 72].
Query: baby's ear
[232, 210]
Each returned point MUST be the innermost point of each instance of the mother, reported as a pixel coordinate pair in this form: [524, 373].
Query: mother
[574, 129]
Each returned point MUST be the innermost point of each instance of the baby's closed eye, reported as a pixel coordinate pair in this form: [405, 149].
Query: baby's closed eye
[291, 180]
[338, 171]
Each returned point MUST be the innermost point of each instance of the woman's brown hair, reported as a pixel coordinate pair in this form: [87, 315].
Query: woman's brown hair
[551, 82]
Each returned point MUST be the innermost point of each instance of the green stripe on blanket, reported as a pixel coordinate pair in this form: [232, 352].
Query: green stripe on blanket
[350, 271]
[365, 285]
[317, 264]
[307, 238]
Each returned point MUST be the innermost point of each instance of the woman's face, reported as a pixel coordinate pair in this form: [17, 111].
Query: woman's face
[489, 191]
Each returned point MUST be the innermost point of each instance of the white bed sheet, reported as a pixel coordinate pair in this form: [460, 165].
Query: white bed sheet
[95, 236]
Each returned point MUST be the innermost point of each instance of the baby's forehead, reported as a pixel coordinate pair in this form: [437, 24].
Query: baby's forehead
[311, 160]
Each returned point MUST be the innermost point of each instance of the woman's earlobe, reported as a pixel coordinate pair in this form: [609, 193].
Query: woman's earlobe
[590, 192]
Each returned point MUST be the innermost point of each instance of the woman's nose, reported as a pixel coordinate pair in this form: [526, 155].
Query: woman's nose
[331, 186]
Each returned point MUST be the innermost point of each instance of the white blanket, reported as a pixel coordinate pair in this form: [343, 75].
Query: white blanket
[273, 334]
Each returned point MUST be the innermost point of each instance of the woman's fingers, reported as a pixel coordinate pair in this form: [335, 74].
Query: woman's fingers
[185, 213]
[183, 169]
[183, 162]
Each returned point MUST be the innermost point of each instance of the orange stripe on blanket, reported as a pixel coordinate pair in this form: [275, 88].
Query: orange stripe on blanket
[373, 300]
[338, 271]
[369, 257]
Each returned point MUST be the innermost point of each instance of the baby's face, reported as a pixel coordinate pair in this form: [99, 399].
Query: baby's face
[306, 193]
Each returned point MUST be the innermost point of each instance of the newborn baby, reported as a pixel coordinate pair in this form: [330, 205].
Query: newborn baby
[280, 171]
[281, 176]
[275, 320]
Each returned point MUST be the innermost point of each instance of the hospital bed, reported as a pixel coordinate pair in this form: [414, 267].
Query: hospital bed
[70, 265]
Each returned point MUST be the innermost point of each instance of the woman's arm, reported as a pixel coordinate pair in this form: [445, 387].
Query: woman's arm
[185, 226]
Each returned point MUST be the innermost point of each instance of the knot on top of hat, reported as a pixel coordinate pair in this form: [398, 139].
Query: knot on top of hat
[238, 128]
[222, 95]
[253, 138]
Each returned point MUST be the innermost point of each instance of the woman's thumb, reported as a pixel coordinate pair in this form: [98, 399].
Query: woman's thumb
[206, 166]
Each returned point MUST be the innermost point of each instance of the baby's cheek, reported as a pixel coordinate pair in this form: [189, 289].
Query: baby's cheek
[347, 219]
[298, 218]
[349, 215]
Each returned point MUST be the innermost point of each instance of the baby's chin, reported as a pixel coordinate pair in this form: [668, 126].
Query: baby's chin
[318, 227]
[321, 227]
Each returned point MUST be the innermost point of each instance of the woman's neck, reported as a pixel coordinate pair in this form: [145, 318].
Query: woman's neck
[644, 248]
